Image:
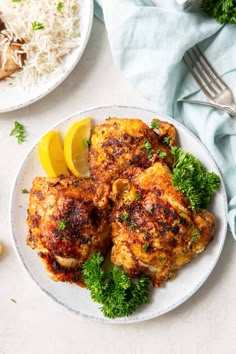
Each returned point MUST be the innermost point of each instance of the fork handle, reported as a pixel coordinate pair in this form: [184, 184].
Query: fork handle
[232, 107]
[229, 110]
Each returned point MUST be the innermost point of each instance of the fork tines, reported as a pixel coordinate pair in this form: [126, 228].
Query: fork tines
[204, 73]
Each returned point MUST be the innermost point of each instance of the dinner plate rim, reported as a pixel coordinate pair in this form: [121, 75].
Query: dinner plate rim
[123, 320]
[57, 83]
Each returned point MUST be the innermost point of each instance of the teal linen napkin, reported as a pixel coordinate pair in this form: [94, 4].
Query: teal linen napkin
[148, 40]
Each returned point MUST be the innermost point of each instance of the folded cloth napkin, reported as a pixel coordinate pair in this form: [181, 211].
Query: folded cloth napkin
[148, 40]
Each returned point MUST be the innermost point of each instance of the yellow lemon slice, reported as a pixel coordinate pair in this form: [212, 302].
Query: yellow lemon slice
[76, 147]
[51, 154]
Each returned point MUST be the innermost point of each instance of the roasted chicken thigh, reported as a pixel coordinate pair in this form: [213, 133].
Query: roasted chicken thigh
[68, 222]
[154, 230]
[118, 144]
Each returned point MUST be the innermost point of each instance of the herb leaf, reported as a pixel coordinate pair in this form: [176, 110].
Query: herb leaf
[86, 143]
[145, 246]
[162, 154]
[24, 191]
[114, 289]
[155, 124]
[132, 227]
[166, 139]
[147, 145]
[19, 132]
[60, 6]
[224, 11]
[190, 177]
[37, 26]
[62, 225]
[195, 234]
[124, 218]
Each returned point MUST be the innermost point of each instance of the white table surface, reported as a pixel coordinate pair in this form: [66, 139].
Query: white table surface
[204, 324]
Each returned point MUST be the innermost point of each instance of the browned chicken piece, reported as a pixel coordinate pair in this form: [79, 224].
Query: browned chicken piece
[166, 132]
[68, 222]
[2, 25]
[10, 60]
[120, 143]
[154, 230]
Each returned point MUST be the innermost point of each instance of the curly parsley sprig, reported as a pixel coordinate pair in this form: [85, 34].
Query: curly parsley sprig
[114, 289]
[224, 11]
[190, 177]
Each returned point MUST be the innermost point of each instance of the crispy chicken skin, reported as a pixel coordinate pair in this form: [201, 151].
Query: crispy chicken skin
[154, 230]
[68, 222]
[119, 143]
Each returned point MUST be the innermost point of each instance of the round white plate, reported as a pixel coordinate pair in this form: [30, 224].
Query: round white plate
[176, 291]
[27, 96]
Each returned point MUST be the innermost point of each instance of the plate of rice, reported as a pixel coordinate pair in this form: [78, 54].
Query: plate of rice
[41, 42]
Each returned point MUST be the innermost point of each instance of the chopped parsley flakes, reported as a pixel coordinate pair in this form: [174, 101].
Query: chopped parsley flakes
[62, 225]
[145, 246]
[37, 26]
[166, 139]
[19, 132]
[155, 124]
[60, 6]
[147, 145]
[24, 191]
[86, 143]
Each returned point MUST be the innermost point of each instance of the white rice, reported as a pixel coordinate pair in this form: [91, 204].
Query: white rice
[46, 48]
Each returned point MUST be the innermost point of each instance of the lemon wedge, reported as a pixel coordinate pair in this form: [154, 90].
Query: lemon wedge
[51, 154]
[76, 147]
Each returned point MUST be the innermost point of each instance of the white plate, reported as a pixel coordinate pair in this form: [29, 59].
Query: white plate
[175, 292]
[25, 97]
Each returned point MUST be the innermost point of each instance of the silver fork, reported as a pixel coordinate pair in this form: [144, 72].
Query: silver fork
[210, 82]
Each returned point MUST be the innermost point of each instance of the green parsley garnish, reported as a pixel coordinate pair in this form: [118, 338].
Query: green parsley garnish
[147, 145]
[16, 0]
[13, 300]
[162, 154]
[195, 234]
[161, 258]
[145, 247]
[113, 289]
[86, 143]
[137, 196]
[132, 227]
[224, 11]
[60, 6]
[190, 177]
[150, 210]
[155, 124]
[124, 218]
[62, 225]
[19, 132]
[166, 139]
[37, 26]
[24, 191]
[149, 154]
